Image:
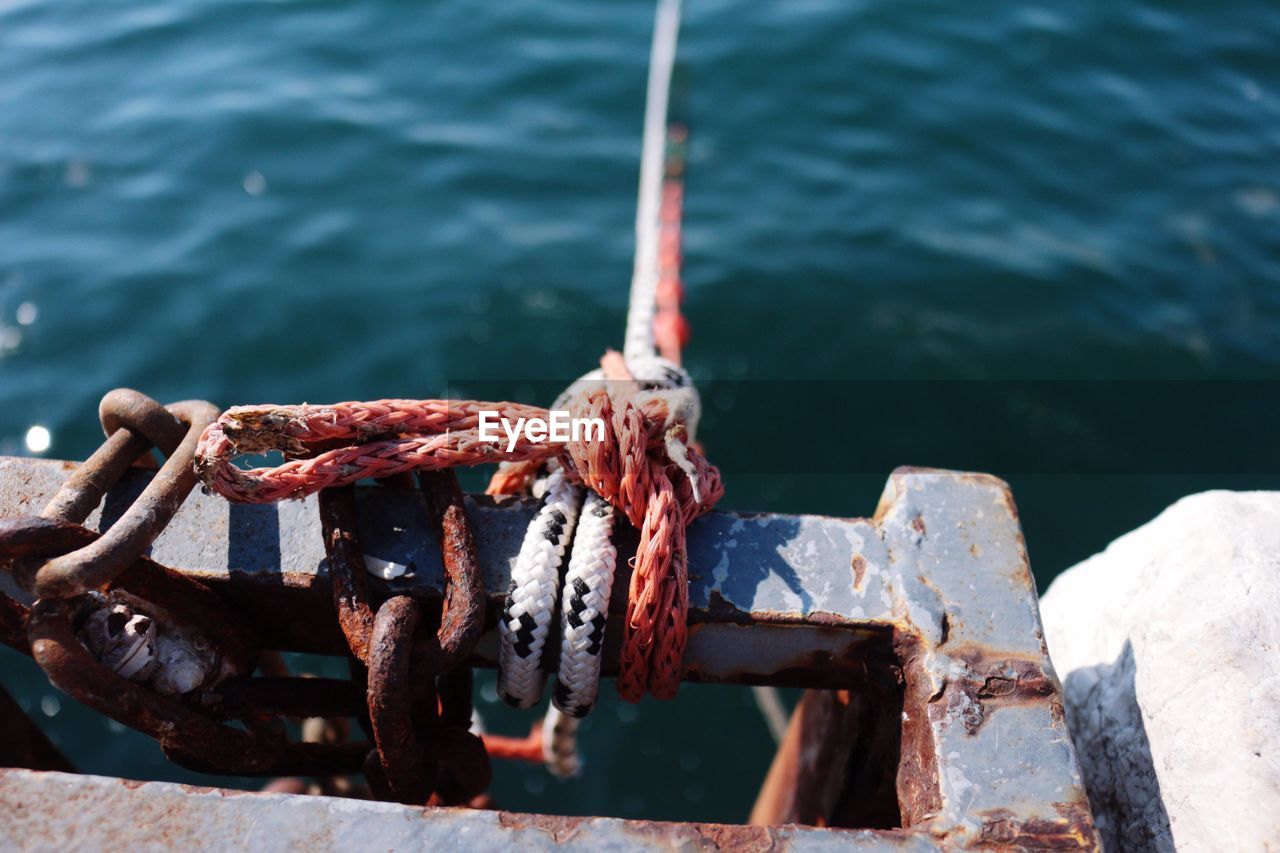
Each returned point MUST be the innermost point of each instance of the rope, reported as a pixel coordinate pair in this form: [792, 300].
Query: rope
[645, 468]
[560, 744]
[531, 600]
[639, 340]
[587, 585]
[589, 579]
[653, 321]
[670, 329]
[769, 702]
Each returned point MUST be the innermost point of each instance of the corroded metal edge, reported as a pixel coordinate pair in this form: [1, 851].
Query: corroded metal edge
[46, 810]
[987, 758]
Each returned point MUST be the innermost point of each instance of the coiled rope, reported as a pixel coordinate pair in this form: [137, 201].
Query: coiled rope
[644, 467]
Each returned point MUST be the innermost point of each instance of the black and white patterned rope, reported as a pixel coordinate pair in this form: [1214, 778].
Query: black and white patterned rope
[584, 608]
[535, 587]
[560, 744]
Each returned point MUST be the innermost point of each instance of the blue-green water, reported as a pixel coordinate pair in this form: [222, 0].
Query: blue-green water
[316, 201]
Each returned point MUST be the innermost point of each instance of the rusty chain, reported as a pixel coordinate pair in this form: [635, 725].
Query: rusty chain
[75, 572]
[410, 687]
[418, 719]
[143, 423]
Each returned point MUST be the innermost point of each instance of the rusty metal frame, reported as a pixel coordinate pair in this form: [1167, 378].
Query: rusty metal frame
[930, 605]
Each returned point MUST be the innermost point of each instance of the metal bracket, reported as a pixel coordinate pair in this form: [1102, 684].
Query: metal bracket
[929, 607]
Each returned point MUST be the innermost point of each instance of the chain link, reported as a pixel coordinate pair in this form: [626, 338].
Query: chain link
[410, 687]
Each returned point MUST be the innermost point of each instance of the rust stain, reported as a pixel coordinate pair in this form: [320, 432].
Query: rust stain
[919, 796]
[561, 828]
[917, 524]
[992, 683]
[996, 685]
[1073, 831]
[859, 570]
[1014, 678]
[735, 838]
[721, 610]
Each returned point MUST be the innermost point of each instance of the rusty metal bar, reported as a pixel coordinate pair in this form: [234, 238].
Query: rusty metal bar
[761, 598]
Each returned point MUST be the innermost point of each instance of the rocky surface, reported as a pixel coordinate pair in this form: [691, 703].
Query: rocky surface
[1167, 646]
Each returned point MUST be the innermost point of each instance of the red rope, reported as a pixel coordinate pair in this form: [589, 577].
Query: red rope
[340, 444]
[671, 330]
[527, 748]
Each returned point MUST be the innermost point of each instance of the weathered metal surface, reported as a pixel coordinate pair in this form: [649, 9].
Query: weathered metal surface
[48, 811]
[930, 607]
[986, 752]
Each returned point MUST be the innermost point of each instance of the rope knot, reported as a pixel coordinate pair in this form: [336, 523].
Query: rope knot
[650, 470]
[647, 466]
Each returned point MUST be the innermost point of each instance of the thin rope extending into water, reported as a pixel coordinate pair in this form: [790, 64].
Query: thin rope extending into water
[639, 340]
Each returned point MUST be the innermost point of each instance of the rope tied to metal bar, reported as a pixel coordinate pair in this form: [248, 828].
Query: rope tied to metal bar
[644, 467]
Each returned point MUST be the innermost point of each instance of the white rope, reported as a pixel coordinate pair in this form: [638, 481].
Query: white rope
[584, 609]
[560, 744]
[769, 701]
[639, 341]
[535, 586]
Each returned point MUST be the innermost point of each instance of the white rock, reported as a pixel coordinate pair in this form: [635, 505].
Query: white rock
[1167, 645]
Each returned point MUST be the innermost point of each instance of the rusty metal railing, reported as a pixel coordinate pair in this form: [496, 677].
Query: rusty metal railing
[935, 713]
